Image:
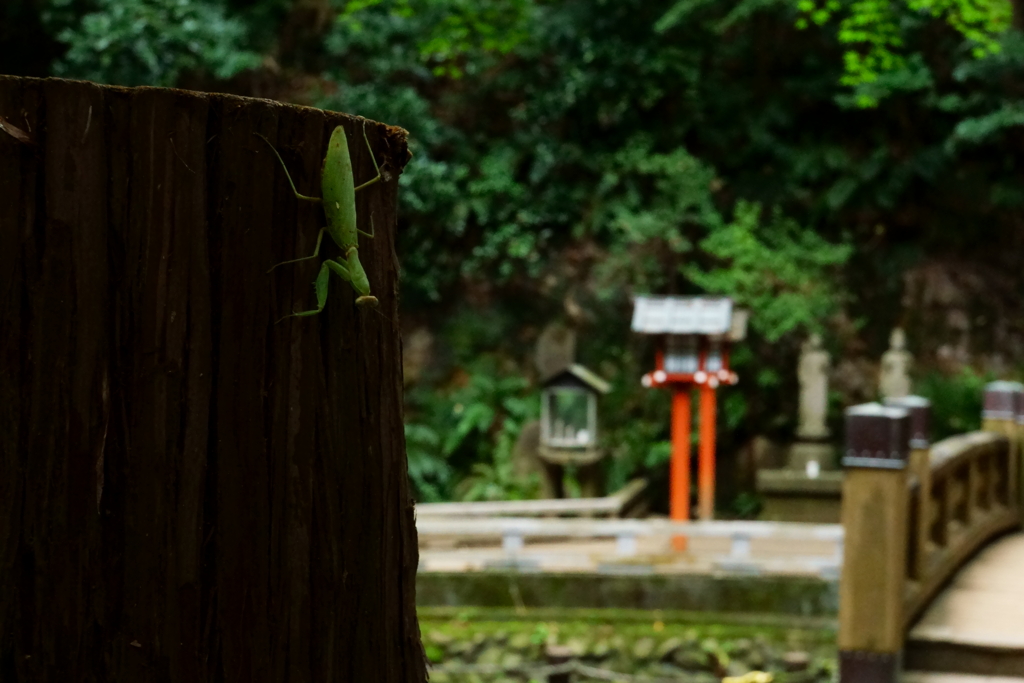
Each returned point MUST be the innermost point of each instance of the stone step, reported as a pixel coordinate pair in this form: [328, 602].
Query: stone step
[962, 660]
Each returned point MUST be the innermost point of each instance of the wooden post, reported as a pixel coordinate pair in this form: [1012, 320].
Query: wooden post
[679, 468]
[1003, 405]
[875, 546]
[189, 492]
[706, 462]
[920, 409]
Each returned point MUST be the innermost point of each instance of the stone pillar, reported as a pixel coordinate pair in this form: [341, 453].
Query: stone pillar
[875, 546]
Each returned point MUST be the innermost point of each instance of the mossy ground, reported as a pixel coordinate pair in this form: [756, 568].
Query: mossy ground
[485, 644]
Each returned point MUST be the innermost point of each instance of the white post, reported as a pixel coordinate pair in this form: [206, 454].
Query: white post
[625, 544]
[512, 542]
[740, 549]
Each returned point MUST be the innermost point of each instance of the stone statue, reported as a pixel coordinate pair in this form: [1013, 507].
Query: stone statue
[813, 375]
[894, 378]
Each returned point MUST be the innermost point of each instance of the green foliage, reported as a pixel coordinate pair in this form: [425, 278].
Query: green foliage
[460, 440]
[778, 269]
[475, 215]
[497, 479]
[433, 653]
[650, 196]
[453, 34]
[633, 421]
[502, 201]
[647, 206]
[876, 34]
[980, 128]
[956, 401]
[747, 505]
[149, 42]
[879, 37]
[429, 471]
[638, 453]
[540, 634]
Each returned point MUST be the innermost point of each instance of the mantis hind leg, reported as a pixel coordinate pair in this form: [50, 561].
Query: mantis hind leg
[289, 175]
[316, 251]
[322, 281]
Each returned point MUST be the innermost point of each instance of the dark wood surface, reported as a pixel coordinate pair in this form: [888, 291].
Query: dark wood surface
[189, 492]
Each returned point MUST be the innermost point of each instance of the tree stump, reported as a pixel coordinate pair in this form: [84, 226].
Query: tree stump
[189, 492]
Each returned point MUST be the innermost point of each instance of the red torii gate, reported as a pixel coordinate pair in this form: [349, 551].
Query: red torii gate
[695, 335]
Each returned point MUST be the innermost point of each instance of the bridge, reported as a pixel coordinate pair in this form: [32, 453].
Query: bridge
[931, 578]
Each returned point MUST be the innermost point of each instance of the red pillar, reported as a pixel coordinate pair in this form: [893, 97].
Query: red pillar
[706, 464]
[679, 468]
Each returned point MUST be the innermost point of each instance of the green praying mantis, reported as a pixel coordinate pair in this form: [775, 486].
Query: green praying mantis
[339, 200]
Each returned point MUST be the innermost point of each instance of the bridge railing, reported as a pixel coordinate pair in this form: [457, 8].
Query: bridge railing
[913, 513]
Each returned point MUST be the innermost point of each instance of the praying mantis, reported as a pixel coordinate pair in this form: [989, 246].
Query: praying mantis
[339, 201]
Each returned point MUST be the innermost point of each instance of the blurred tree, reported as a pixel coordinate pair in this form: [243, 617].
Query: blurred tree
[880, 36]
[147, 42]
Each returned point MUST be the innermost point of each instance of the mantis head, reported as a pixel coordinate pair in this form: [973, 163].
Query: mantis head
[367, 301]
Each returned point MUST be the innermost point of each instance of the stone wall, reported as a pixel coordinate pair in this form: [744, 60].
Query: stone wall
[794, 596]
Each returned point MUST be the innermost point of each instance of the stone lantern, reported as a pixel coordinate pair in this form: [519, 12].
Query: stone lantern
[569, 423]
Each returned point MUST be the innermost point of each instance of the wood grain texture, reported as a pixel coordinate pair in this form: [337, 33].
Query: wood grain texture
[875, 507]
[189, 492]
